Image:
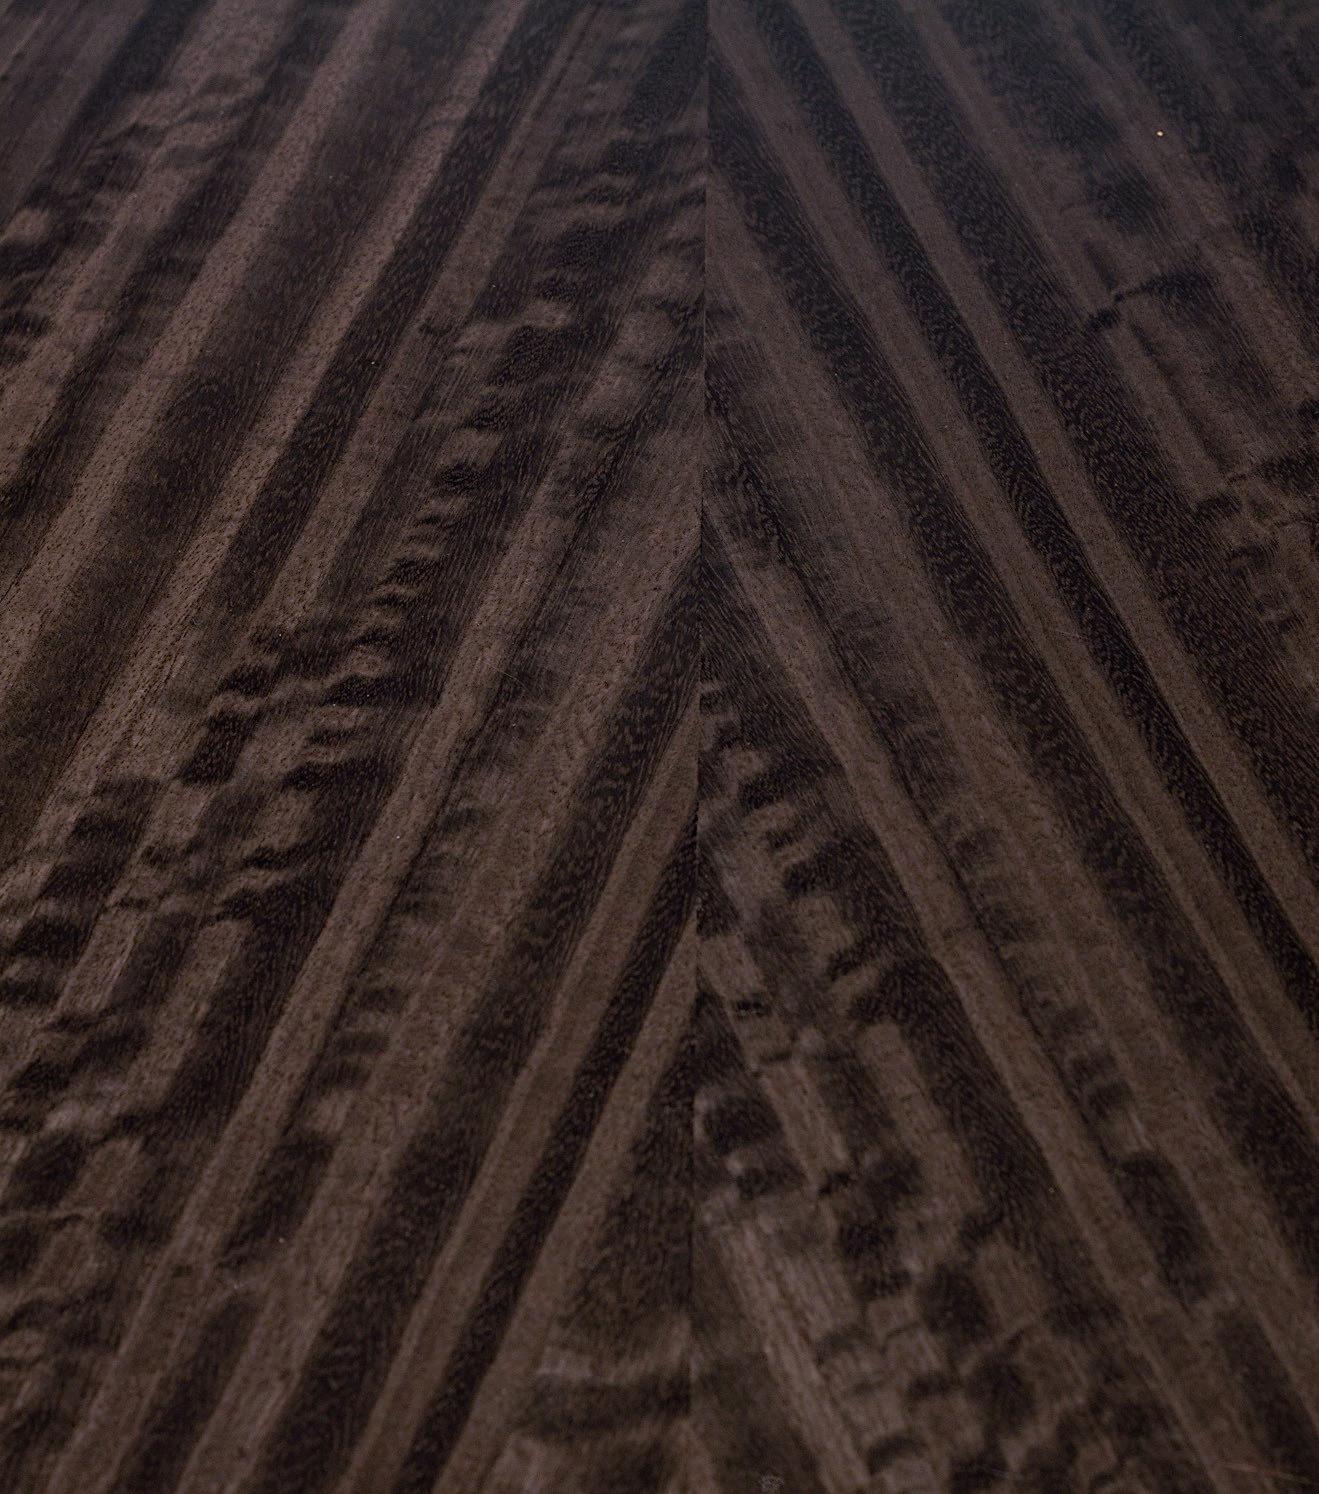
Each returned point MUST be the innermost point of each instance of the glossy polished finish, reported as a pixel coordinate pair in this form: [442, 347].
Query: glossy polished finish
[658, 688]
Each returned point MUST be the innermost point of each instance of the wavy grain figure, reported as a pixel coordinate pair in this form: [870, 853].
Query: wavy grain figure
[659, 670]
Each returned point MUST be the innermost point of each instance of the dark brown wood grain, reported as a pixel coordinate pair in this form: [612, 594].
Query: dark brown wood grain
[659, 668]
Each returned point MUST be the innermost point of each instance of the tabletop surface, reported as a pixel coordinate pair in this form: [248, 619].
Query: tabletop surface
[659, 787]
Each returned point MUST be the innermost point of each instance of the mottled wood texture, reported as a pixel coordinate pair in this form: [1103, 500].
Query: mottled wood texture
[659, 683]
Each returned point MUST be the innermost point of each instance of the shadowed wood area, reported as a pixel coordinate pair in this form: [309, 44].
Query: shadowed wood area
[659, 683]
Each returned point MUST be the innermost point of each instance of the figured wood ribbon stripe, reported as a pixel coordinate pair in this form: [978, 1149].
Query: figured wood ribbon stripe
[659, 746]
